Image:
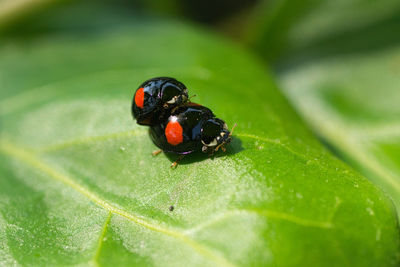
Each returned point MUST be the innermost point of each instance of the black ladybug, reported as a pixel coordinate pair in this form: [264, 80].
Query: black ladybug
[190, 128]
[155, 96]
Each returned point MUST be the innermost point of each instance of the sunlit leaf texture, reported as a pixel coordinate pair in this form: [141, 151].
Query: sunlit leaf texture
[78, 184]
[353, 103]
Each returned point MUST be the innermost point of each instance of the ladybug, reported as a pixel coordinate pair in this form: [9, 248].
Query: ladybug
[190, 128]
[155, 96]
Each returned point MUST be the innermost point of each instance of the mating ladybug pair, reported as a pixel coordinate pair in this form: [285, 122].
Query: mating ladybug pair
[176, 124]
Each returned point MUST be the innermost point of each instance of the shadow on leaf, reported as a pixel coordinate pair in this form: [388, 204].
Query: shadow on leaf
[232, 148]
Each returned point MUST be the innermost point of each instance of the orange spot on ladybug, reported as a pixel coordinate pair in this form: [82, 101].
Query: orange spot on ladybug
[174, 133]
[139, 97]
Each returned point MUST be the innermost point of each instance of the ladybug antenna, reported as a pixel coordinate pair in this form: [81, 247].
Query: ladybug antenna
[223, 143]
[233, 128]
[190, 97]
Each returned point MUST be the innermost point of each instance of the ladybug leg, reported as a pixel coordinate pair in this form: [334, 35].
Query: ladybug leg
[174, 164]
[156, 152]
[221, 146]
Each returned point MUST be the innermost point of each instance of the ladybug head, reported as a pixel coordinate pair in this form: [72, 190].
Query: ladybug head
[214, 135]
[173, 93]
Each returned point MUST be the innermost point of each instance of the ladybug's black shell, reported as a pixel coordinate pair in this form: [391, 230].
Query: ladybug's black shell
[190, 128]
[190, 117]
[159, 95]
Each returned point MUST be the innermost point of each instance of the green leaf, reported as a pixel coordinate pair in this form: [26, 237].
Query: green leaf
[13, 10]
[353, 103]
[292, 31]
[79, 185]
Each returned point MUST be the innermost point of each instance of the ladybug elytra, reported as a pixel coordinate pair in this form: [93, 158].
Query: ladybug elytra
[155, 96]
[190, 128]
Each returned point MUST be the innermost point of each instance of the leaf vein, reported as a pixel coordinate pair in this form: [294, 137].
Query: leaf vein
[273, 141]
[265, 213]
[32, 160]
[90, 139]
[101, 239]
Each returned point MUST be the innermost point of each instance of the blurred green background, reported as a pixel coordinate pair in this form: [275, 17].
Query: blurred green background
[337, 62]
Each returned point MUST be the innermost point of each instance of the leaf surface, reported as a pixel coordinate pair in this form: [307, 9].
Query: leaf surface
[288, 32]
[353, 103]
[79, 185]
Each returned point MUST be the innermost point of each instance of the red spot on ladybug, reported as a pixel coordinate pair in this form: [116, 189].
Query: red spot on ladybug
[174, 132]
[139, 97]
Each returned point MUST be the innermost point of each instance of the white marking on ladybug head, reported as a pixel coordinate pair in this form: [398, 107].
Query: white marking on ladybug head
[212, 143]
[173, 100]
